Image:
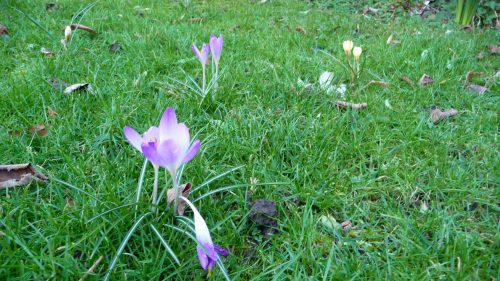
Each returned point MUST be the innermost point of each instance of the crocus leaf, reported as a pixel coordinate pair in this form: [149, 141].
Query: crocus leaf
[19, 175]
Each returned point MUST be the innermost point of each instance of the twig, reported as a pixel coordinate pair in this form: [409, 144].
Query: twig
[91, 269]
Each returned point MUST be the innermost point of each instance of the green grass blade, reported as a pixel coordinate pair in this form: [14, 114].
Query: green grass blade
[235, 186]
[216, 177]
[165, 244]
[109, 211]
[123, 244]
[139, 185]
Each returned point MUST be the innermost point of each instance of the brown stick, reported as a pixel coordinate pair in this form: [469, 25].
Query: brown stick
[92, 268]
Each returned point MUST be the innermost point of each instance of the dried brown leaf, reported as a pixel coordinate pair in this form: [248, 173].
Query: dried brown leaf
[472, 74]
[39, 129]
[346, 225]
[181, 205]
[82, 27]
[195, 20]
[478, 89]
[47, 52]
[468, 28]
[480, 56]
[70, 202]
[50, 7]
[378, 83]
[19, 175]
[437, 114]
[344, 104]
[301, 29]
[425, 80]
[115, 47]
[78, 87]
[92, 268]
[407, 80]
[494, 50]
[52, 113]
[3, 30]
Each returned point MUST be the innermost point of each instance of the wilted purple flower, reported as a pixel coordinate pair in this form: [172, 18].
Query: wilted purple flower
[203, 54]
[216, 47]
[166, 146]
[207, 251]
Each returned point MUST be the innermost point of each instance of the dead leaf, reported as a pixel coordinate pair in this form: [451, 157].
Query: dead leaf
[50, 7]
[47, 52]
[3, 30]
[407, 80]
[426, 80]
[494, 50]
[78, 87]
[437, 114]
[181, 205]
[480, 56]
[329, 223]
[472, 74]
[346, 225]
[344, 104]
[19, 175]
[378, 83]
[52, 113]
[195, 20]
[392, 41]
[263, 213]
[301, 29]
[39, 130]
[92, 268]
[467, 28]
[478, 89]
[56, 83]
[115, 47]
[82, 27]
[70, 202]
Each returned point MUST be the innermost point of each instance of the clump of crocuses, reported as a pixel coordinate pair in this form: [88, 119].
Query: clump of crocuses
[169, 146]
[215, 48]
[354, 65]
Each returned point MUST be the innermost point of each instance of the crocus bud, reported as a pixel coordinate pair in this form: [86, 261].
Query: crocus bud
[348, 47]
[67, 33]
[357, 52]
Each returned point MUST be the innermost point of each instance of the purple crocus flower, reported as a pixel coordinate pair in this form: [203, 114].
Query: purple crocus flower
[216, 47]
[207, 251]
[166, 146]
[203, 54]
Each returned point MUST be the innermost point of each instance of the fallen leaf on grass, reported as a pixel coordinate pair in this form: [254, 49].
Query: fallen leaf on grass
[263, 213]
[467, 28]
[52, 113]
[19, 175]
[407, 80]
[472, 74]
[3, 30]
[50, 7]
[346, 225]
[115, 47]
[301, 29]
[82, 27]
[480, 56]
[392, 41]
[70, 202]
[56, 83]
[387, 104]
[39, 130]
[47, 52]
[378, 83]
[344, 104]
[478, 89]
[494, 50]
[78, 87]
[426, 80]
[329, 223]
[92, 268]
[181, 205]
[195, 20]
[437, 114]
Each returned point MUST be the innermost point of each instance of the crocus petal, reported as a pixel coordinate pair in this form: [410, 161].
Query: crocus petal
[149, 151]
[205, 51]
[221, 251]
[181, 136]
[202, 257]
[168, 124]
[169, 153]
[151, 135]
[191, 153]
[196, 51]
[133, 137]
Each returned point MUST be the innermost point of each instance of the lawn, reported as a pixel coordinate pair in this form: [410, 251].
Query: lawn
[413, 200]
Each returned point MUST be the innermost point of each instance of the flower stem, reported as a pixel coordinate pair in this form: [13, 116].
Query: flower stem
[204, 80]
[176, 192]
[155, 185]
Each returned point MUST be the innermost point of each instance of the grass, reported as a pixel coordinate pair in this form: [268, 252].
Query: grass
[374, 167]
